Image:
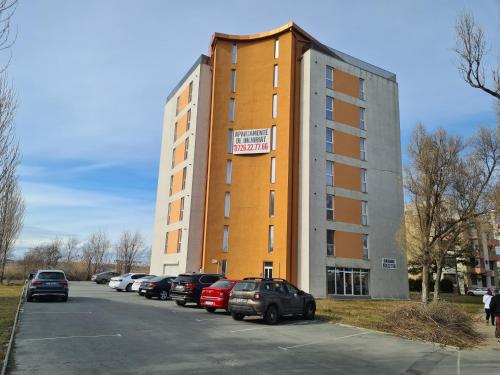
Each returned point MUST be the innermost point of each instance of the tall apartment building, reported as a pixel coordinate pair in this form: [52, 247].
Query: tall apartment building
[292, 168]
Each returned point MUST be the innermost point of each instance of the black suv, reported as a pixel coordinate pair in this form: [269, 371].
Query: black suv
[187, 287]
[269, 298]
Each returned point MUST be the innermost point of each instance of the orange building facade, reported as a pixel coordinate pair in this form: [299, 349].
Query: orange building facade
[273, 178]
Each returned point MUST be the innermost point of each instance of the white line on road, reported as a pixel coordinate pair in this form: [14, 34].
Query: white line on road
[59, 312]
[248, 329]
[203, 320]
[71, 337]
[322, 341]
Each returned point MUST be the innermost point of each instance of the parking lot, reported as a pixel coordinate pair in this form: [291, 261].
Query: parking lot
[101, 331]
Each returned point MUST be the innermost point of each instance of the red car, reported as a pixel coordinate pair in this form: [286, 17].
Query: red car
[216, 295]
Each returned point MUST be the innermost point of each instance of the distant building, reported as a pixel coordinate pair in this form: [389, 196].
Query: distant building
[281, 157]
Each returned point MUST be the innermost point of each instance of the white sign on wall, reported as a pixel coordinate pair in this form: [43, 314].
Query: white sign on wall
[389, 263]
[252, 141]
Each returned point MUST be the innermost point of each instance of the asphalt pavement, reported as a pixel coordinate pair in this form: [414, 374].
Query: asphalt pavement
[101, 331]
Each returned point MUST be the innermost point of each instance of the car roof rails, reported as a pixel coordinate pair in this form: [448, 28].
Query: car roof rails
[265, 278]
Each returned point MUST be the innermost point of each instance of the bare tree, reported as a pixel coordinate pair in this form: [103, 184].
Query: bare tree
[471, 49]
[446, 189]
[95, 251]
[46, 255]
[11, 221]
[128, 250]
[70, 249]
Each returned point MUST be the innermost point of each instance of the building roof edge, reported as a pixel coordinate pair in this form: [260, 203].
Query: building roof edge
[203, 59]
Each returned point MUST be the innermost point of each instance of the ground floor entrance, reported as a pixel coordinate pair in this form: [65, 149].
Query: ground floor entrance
[347, 281]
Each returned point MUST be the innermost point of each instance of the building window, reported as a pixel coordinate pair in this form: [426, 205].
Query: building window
[273, 138]
[188, 119]
[276, 48]
[175, 132]
[173, 158]
[329, 140]
[166, 242]
[227, 204]
[362, 89]
[190, 94]
[329, 108]
[179, 240]
[234, 53]
[329, 173]
[275, 105]
[271, 239]
[169, 212]
[347, 281]
[363, 180]
[275, 76]
[273, 170]
[230, 141]
[231, 110]
[362, 118]
[362, 149]
[225, 239]
[184, 173]
[268, 270]
[171, 183]
[229, 170]
[271, 203]
[364, 212]
[233, 80]
[330, 242]
[177, 103]
[181, 209]
[329, 207]
[366, 254]
[329, 77]
[223, 267]
[186, 148]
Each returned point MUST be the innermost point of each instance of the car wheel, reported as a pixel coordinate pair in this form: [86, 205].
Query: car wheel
[470, 293]
[210, 309]
[309, 311]
[29, 298]
[237, 316]
[128, 288]
[271, 316]
[180, 303]
[164, 295]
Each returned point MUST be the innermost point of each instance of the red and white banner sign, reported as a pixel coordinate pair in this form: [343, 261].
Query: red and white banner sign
[252, 141]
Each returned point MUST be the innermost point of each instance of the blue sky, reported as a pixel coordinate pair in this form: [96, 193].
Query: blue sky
[92, 77]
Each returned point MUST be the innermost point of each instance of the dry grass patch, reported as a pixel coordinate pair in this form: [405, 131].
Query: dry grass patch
[9, 298]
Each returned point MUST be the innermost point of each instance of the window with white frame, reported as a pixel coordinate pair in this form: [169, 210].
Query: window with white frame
[186, 148]
[366, 253]
[329, 108]
[229, 171]
[179, 240]
[188, 119]
[275, 76]
[177, 104]
[173, 158]
[329, 77]
[166, 242]
[230, 141]
[362, 118]
[271, 203]
[362, 89]
[227, 204]
[234, 53]
[275, 105]
[276, 48]
[169, 212]
[364, 212]
[273, 170]
[273, 138]
[225, 239]
[175, 132]
[271, 239]
[171, 183]
[329, 207]
[231, 109]
[362, 148]
[181, 209]
[329, 173]
[223, 267]
[330, 242]
[347, 281]
[184, 175]
[233, 80]
[363, 180]
[190, 92]
[329, 140]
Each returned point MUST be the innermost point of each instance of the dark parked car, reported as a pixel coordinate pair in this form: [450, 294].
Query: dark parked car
[48, 283]
[104, 277]
[187, 287]
[158, 286]
[269, 298]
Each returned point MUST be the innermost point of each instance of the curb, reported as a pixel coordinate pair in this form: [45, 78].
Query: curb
[12, 334]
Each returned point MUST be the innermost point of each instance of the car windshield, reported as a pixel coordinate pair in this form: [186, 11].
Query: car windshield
[157, 279]
[184, 280]
[126, 275]
[50, 276]
[223, 284]
[245, 286]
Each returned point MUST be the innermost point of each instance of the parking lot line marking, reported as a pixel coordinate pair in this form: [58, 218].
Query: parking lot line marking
[322, 341]
[248, 329]
[204, 320]
[71, 337]
[59, 312]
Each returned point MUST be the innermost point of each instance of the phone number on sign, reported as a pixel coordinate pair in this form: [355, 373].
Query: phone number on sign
[251, 147]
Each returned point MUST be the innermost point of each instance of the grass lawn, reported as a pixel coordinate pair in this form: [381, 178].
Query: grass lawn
[370, 313]
[9, 298]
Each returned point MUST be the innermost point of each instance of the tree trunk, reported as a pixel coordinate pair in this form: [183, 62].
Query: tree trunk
[2, 268]
[439, 271]
[425, 283]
